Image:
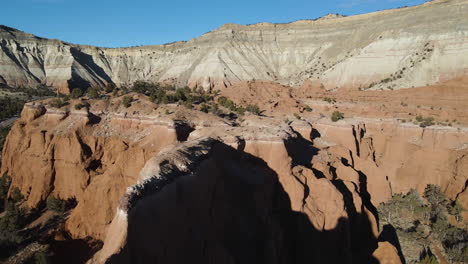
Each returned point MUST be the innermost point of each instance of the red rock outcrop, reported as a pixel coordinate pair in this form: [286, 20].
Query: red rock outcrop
[300, 189]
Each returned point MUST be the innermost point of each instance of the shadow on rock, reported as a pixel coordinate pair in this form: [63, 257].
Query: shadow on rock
[232, 209]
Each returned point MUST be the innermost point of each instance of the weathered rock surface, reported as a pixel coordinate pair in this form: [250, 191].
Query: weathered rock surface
[262, 190]
[395, 49]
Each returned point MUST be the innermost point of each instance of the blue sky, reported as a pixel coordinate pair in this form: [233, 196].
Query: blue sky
[122, 23]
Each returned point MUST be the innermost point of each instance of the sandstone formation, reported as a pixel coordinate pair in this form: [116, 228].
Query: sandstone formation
[392, 49]
[150, 180]
[166, 183]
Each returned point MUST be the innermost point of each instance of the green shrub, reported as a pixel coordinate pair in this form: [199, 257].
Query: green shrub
[16, 195]
[222, 100]
[76, 93]
[127, 101]
[182, 94]
[158, 96]
[56, 204]
[254, 109]
[109, 87]
[434, 195]
[429, 260]
[214, 109]
[57, 103]
[329, 100]
[5, 182]
[204, 108]
[336, 115]
[41, 258]
[10, 107]
[93, 93]
[240, 110]
[14, 218]
[456, 211]
[428, 121]
[79, 106]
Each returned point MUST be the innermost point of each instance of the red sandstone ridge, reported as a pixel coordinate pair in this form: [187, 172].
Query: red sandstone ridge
[287, 183]
[331, 177]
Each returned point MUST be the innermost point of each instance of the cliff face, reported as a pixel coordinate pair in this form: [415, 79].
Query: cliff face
[152, 180]
[393, 49]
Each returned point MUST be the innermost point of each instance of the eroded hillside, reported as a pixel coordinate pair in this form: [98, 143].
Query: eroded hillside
[151, 179]
[393, 49]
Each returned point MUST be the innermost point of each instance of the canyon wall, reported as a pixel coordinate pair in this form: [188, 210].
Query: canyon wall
[392, 49]
[152, 180]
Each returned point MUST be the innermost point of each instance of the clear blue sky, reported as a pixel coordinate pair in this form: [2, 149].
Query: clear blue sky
[121, 23]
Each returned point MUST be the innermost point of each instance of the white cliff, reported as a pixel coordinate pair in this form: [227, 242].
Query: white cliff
[390, 49]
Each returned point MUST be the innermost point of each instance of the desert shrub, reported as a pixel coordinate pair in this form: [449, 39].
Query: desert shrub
[144, 87]
[336, 115]
[456, 211]
[329, 100]
[182, 94]
[434, 195]
[214, 109]
[41, 258]
[428, 121]
[127, 101]
[56, 204]
[240, 110]
[109, 87]
[5, 182]
[93, 93]
[16, 195]
[307, 108]
[429, 260]
[14, 218]
[3, 134]
[76, 93]
[416, 218]
[158, 96]
[204, 108]
[57, 103]
[115, 92]
[169, 99]
[10, 107]
[222, 100]
[425, 121]
[229, 104]
[79, 106]
[254, 109]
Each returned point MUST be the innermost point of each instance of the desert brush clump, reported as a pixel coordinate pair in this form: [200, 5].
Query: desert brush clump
[336, 115]
[420, 220]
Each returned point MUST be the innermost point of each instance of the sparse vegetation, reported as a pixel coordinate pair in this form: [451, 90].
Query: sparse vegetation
[76, 93]
[254, 109]
[424, 121]
[56, 204]
[5, 182]
[93, 93]
[110, 87]
[57, 103]
[336, 115]
[421, 220]
[10, 107]
[329, 100]
[307, 108]
[127, 101]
